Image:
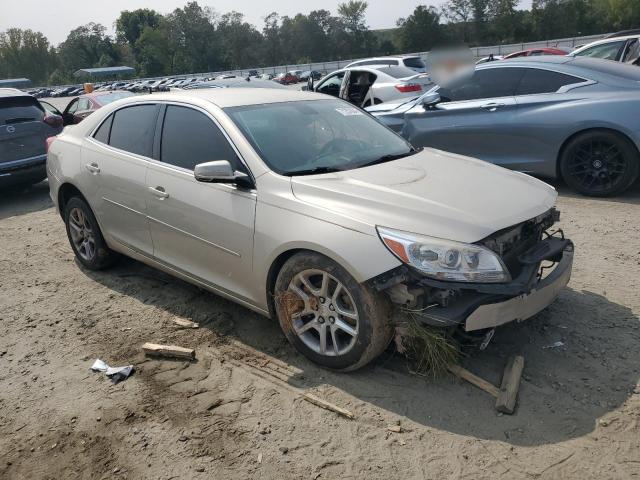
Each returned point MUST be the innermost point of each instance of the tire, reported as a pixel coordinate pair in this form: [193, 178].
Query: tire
[85, 236]
[350, 342]
[599, 163]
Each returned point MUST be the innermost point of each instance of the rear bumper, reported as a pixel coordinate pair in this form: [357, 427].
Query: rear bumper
[27, 170]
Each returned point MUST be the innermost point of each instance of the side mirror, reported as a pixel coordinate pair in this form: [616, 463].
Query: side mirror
[310, 83]
[220, 171]
[429, 100]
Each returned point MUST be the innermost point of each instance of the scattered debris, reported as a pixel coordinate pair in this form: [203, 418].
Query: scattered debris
[185, 323]
[309, 397]
[507, 394]
[115, 374]
[395, 428]
[260, 457]
[554, 345]
[168, 351]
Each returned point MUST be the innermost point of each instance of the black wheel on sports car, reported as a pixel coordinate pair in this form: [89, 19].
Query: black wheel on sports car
[599, 163]
[85, 236]
[328, 316]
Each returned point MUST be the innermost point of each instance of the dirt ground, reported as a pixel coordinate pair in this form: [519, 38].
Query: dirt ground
[579, 406]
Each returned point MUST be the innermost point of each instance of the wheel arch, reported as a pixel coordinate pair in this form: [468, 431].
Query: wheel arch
[66, 192]
[586, 130]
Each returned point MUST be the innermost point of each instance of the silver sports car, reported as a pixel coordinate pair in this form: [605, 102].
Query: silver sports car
[554, 116]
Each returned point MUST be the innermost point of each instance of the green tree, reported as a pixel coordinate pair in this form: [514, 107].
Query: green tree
[421, 30]
[240, 41]
[131, 24]
[88, 46]
[25, 53]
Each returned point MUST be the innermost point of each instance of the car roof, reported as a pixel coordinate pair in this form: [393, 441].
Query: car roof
[608, 40]
[596, 68]
[237, 97]
[12, 92]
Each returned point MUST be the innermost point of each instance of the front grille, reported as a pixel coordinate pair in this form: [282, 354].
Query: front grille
[511, 242]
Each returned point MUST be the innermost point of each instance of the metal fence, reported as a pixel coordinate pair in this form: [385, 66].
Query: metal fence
[330, 66]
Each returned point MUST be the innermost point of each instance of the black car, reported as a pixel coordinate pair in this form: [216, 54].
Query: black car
[316, 75]
[24, 129]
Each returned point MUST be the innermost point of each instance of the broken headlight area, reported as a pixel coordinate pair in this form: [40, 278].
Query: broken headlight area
[536, 264]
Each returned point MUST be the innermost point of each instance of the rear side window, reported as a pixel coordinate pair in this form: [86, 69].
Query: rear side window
[608, 51]
[19, 109]
[414, 62]
[398, 72]
[102, 134]
[486, 83]
[190, 137]
[544, 81]
[132, 129]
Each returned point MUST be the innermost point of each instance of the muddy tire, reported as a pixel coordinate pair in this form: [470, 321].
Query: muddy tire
[599, 163]
[85, 236]
[328, 316]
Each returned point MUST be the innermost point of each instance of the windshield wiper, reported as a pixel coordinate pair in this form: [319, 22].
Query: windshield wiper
[314, 171]
[390, 157]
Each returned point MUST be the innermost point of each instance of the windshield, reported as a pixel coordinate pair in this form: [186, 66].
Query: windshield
[316, 136]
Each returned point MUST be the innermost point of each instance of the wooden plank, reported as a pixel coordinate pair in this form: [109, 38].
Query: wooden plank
[506, 400]
[474, 380]
[185, 323]
[309, 397]
[168, 351]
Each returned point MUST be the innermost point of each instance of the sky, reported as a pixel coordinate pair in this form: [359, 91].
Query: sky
[56, 18]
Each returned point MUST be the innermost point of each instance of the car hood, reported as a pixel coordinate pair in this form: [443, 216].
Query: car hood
[432, 193]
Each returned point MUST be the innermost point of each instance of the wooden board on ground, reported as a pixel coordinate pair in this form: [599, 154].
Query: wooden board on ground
[170, 351]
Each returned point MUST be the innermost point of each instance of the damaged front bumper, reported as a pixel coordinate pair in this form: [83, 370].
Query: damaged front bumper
[479, 306]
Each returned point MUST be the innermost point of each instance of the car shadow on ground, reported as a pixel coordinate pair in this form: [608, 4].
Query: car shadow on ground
[565, 389]
[19, 201]
[631, 196]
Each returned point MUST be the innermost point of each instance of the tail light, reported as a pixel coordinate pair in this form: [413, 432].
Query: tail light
[409, 87]
[49, 141]
[53, 120]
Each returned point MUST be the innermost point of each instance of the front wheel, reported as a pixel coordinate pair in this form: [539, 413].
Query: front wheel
[328, 316]
[599, 163]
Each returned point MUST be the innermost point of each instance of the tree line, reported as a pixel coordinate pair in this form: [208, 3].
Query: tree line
[198, 39]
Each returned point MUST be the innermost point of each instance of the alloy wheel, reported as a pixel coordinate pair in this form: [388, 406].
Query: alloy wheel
[81, 234]
[597, 165]
[328, 322]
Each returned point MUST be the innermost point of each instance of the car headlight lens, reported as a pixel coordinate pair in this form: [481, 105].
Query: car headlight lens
[445, 259]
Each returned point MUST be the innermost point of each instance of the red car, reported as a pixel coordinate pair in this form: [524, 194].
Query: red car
[81, 107]
[537, 51]
[286, 78]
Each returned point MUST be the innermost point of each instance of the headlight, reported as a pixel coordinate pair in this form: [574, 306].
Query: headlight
[445, 259]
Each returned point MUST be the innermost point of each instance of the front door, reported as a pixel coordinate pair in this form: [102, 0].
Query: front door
[474, 117]
[202, 229]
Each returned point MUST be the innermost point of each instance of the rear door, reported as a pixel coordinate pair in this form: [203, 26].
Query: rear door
[202, 229]
[114, 166]
[22, 130]
[475, 116]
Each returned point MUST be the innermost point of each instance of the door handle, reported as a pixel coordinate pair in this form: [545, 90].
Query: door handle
[492, 107]
[93, 167]
[159, 192]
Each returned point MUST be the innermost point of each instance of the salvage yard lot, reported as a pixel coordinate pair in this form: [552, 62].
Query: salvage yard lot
[579, 404]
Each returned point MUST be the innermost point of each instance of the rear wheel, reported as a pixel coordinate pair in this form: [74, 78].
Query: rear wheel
[85, 236]
[328, 316]
[599, 163]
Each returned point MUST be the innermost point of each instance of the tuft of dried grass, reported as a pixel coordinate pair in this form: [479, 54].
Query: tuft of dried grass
[429, 350]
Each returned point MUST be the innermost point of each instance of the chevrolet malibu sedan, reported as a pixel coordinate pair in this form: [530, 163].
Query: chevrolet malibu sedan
[306, 209]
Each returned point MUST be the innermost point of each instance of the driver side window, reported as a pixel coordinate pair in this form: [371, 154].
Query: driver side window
[73, 108]
[331, 86]
[487, 83]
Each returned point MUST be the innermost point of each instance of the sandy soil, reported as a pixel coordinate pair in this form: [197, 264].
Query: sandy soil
[577, 417]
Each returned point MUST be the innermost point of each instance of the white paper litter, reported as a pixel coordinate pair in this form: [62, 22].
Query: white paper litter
[115, 374]
[554, 345]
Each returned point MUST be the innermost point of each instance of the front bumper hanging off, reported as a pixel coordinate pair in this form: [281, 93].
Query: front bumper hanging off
[480, 306]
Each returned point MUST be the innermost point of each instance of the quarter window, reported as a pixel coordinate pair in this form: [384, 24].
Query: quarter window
[544, 81]
[132, 129]
[102, 134]
[190, 137]
[486, 83]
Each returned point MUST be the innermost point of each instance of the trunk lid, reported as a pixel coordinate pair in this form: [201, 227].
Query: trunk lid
[22, 129]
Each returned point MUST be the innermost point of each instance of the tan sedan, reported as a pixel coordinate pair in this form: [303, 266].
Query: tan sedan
[303, 207]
